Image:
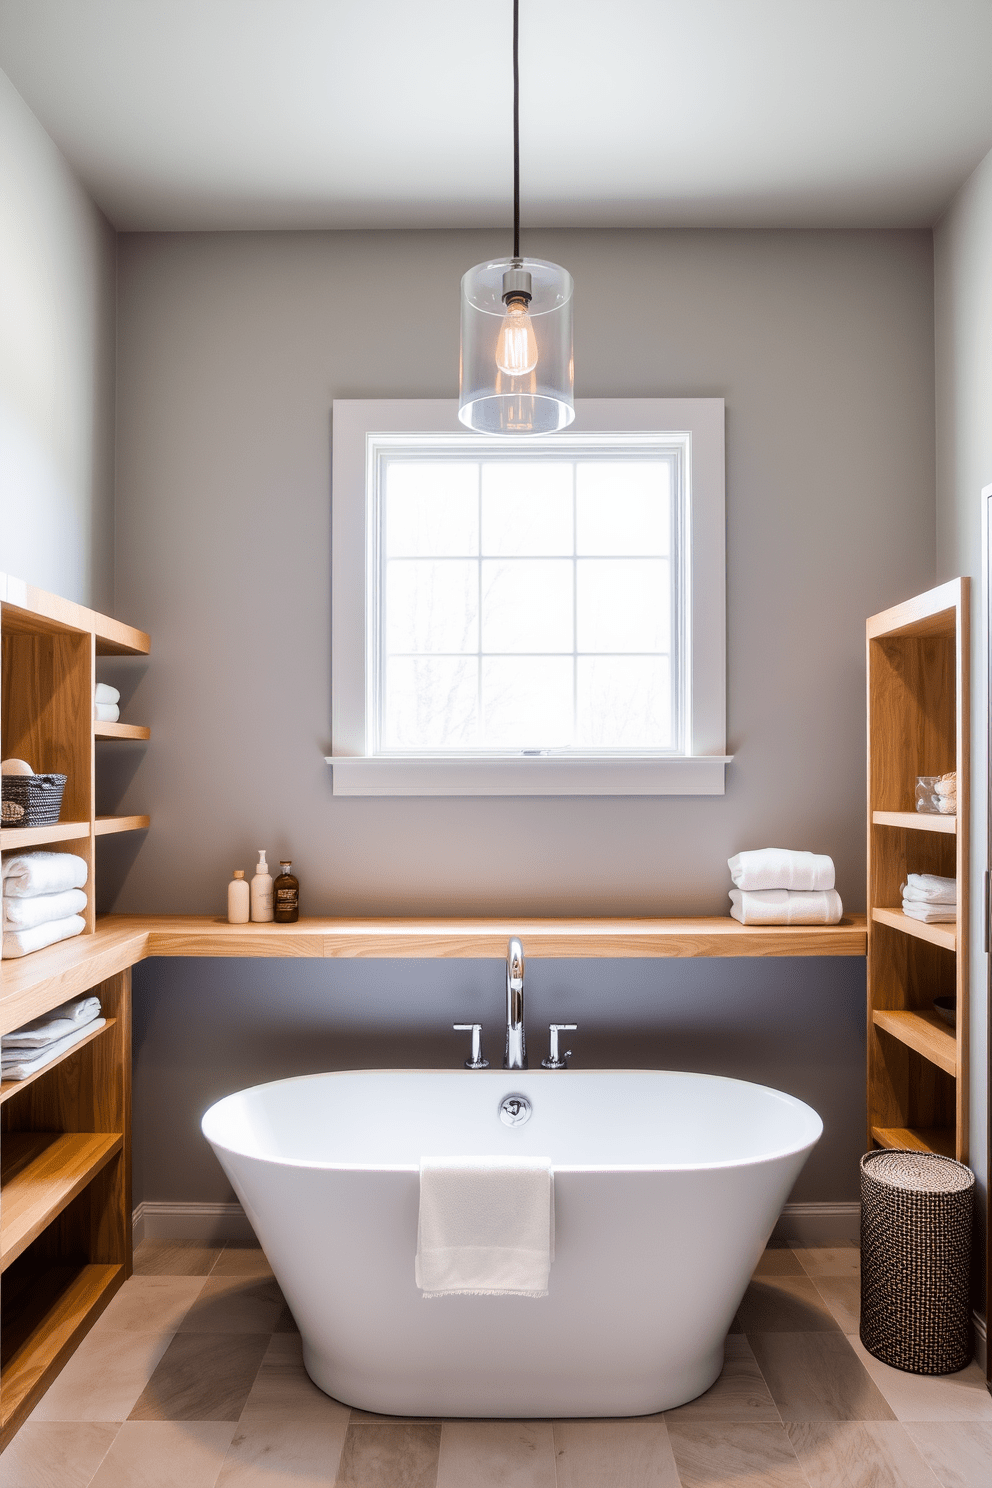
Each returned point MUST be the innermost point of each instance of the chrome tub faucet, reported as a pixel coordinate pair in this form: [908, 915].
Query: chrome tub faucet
[516, 1047]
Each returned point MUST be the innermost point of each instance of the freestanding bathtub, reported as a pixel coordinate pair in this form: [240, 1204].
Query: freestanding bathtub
[667, 1187]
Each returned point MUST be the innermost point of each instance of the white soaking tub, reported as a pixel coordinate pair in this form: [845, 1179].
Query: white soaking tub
[667, 1187]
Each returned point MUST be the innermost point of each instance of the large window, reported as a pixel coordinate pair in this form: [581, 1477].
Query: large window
[528, 617]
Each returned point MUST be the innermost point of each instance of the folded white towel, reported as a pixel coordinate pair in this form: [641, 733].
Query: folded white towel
[23, 942]
[781, 868]
[930, 914]
[930, 888]
[104, 693]
[28, 874]
[32, 1060]
[51, 1027]
[22, 914]
[106, 712]
[786, 907]
[486, 1226]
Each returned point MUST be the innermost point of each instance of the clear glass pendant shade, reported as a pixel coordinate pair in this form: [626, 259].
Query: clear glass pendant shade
[516, 361]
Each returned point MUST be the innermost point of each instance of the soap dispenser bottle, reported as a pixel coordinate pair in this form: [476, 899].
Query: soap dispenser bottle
[238, 898]
[261, 890]
[287, 894]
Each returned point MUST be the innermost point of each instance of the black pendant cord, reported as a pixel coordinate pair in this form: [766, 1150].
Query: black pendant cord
[516, 130]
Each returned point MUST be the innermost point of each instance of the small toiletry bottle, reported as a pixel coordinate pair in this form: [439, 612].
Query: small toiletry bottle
[261, 890]
[238, 898]
[287, 894]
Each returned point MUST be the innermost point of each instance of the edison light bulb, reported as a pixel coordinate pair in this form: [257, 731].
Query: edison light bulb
[516, 348]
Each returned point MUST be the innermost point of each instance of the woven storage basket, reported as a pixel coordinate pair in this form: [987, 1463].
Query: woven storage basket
[916, 1221]
[40, 795]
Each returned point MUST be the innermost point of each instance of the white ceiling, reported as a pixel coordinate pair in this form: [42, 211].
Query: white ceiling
[396, 113]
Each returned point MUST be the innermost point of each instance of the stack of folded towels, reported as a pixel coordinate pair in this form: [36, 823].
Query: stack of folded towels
[775, 886]
[36, 1044]
[43, 900]
[930, 898]
[106, 703]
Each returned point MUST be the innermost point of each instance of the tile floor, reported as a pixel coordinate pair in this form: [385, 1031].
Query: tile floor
[193, 1379]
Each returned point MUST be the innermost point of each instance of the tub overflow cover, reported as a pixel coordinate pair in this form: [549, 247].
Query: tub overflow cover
[514, 1110]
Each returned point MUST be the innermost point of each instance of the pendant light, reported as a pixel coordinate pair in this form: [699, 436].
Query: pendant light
[516, 348]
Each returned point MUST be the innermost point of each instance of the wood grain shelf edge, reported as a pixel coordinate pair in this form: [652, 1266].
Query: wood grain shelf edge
[923, 1032]
[121, 731]
[105, 826]
[9, 1088]
[937, 1139]
[46, 1171]
[944, 935]
[916, 821]
[12, 839]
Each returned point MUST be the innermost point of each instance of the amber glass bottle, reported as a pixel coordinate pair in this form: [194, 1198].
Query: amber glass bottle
[286, 894]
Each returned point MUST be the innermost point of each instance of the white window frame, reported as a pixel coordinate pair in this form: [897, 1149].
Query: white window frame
[361, 426]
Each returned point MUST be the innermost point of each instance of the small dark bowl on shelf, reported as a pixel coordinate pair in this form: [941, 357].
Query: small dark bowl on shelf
[40, 796]
[946, 1008]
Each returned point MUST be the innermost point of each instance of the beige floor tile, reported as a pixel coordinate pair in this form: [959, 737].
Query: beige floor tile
[830, 1260]
[928, 1397]
[151, 1304]
[56, 1454]
[758, 1455]
[104, 1377]
[958, 1453]
[614, 1454]
[740, 1394]
[283, 1387]
[496, 1454]
[842, 1294]
[202, 1377]
[390, 1457]
[817, 1377]
[858, 1454]
[165, 1454]
[242, 1260]
[235, 1304]
[370, 1418]
[784, 1304]
[297, 1451]
[175, 1258]
[779, 1260]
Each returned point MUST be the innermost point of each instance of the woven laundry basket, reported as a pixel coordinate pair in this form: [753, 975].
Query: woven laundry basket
[916, 1222]
[39, 795]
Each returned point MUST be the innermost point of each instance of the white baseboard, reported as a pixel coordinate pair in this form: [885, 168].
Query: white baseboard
[819, 1224]
[807, 1224]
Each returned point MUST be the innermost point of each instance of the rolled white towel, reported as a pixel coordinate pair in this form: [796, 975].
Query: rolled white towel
[31, 1060]
[24, 914]
[781, 868]
[786, 907]
[930, 914]
[106, 712]
[23, 942]
[104, 693]
[51, 1027]
[28, 874]
[930, 888]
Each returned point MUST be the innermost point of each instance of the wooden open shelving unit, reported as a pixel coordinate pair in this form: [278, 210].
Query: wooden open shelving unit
[918, 722]
[65, 1132]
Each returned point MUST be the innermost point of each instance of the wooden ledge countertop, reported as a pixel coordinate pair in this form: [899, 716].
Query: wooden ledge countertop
[33, 984]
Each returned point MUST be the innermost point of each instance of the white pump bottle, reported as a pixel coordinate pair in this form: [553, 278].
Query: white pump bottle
[261, 890]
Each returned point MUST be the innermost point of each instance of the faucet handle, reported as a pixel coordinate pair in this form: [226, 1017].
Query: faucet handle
[475, 1029]
[554, 1059]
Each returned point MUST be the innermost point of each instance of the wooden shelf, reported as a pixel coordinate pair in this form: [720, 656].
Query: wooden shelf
[945, 936]
[106, 825]
[16, 838]
[31, 611]
[925, 1032]
[121, 731]
[920, 1139]
[916, 821]
[41, 1173]
[42, 1327]
[11, 1087]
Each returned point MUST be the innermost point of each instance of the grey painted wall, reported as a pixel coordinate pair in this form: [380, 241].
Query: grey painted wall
[231, 349]
[57, 326]
[963, 321]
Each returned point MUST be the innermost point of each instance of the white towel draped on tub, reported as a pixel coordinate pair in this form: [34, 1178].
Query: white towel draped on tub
[780, 907]
[486, 1226]
[780, 868]
[27, 874]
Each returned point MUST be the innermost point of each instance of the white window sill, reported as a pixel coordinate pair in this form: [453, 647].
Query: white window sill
[639, 775]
